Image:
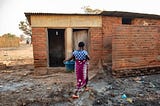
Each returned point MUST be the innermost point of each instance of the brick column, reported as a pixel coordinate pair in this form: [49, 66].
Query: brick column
[39, 42]
[96, 46]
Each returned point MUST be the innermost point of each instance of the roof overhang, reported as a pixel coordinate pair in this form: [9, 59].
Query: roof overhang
[103, 13]
[45, 14]
[129, 14]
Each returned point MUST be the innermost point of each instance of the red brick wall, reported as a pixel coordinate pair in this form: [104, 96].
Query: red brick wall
[40, 48]
[142, 21]
[136, 47]
[108, 26]
[95, 48]
[39, 42]
[100, 48]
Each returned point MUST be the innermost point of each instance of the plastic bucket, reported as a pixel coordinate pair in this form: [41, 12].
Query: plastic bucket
[69, 66]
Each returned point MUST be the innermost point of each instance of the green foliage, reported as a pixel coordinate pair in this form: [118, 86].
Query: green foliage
[89, 10]
[25, 27]
[9, 35]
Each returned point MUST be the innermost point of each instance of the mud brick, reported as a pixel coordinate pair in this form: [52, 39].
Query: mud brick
[40, 71]
[136, 72]
[2, 66]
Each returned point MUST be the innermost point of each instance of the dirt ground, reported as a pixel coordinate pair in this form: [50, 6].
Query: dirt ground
[19, 86]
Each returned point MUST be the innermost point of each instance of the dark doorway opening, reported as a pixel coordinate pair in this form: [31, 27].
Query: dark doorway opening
[56, 47]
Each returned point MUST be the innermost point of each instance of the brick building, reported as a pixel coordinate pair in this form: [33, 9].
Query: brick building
[130, 42]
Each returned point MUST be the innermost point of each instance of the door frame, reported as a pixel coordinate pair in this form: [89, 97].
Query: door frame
[88, 37]
[47, 43]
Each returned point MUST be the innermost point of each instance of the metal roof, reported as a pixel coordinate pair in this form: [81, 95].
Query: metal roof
[103, 13]
[129, 14]
[28, 14]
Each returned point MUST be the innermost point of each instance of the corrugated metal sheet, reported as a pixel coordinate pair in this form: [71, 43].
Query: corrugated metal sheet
[104, 13]
[129, 14]
[28, 14]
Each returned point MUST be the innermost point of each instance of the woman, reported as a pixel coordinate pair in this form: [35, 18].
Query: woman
[81, 67]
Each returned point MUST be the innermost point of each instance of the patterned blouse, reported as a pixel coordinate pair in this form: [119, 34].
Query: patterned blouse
[80, 54]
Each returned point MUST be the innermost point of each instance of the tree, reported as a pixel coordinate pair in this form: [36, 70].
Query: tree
[89, 10]
[25, 27]
[22, 37]
[9, 35]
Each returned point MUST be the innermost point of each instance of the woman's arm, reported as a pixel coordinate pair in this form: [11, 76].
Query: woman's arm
[87, 57]
[70, 58]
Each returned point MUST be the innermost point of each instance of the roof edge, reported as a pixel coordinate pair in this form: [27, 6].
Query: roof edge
[28, 14]
[129, 14]
[103, 13]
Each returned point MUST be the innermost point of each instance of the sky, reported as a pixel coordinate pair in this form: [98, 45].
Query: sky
[12, 11]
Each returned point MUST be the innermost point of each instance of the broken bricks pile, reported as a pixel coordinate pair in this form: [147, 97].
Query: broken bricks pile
[132, 91]
[136, 72]
[2, 66]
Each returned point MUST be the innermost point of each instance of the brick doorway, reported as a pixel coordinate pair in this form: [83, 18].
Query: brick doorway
[56, 47]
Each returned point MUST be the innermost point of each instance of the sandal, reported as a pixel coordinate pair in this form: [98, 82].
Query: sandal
[86, 89]
[75, 96]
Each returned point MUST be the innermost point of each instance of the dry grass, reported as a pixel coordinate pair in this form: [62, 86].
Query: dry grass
[9, 42]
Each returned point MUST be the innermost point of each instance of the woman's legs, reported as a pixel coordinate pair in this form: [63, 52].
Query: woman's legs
[81, 75]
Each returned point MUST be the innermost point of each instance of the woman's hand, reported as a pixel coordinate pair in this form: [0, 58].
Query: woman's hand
[64, 60]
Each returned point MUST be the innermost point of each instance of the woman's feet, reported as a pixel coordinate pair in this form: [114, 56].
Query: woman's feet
[75, 96]
[86, 89]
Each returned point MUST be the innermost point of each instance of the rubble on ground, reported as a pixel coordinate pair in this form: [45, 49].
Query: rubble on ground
[20, 87]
